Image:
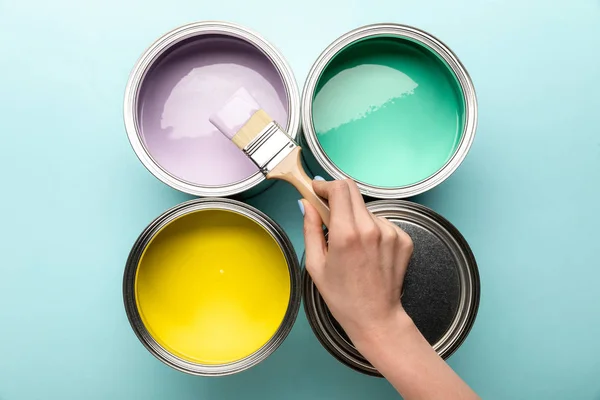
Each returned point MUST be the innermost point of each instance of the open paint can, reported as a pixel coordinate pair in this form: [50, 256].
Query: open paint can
[212, 287]
[182, 79]
[390, 107]
[440, 292]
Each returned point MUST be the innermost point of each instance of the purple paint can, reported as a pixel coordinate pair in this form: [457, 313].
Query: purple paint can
[182, 79]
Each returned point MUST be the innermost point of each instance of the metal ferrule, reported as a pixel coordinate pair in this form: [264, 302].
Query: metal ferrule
[270, 147]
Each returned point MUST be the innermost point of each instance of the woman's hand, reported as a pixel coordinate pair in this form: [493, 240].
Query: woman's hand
[360, 273]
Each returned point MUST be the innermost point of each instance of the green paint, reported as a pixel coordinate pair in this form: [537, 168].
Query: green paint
[388, 112]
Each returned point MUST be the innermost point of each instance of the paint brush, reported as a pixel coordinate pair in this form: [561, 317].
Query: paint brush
[275, 153]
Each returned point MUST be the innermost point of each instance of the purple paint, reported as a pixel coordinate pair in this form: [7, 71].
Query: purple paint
[189, 84]
[235, 113]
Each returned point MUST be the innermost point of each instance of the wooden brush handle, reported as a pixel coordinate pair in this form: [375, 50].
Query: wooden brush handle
[290, 170]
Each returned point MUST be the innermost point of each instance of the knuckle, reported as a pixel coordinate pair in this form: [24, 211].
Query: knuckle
[306, 230]
[350, 183]
[339, 186]
[406, 242]
[351, 238]
[372, 234]
[347, 239]
[389, 235]
[309, 230]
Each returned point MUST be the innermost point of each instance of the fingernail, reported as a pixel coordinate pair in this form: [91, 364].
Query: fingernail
[319, 178]
[301, 206]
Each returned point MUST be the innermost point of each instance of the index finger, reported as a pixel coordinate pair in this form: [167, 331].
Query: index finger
[337, 193]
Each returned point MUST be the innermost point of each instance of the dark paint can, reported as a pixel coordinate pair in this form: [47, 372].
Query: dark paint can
[440, 293]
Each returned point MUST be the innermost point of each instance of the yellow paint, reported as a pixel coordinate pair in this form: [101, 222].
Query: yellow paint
[212, 287]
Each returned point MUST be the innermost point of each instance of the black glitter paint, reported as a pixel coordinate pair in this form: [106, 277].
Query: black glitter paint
[431, 286]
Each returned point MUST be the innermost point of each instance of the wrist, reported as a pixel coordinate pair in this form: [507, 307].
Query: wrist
[374, 339]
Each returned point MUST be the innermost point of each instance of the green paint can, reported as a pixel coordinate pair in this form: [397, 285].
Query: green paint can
[390, 107]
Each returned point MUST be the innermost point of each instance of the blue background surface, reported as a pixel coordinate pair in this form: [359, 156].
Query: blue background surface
[75, 196]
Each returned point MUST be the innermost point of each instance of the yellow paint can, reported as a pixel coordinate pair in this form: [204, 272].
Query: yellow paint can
[211, 287]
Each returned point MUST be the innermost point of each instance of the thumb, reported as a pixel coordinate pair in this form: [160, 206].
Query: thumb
[314, 241]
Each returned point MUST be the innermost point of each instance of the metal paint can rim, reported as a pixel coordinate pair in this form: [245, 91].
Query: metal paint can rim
[149, 233]
[321, 321]
[161, 46]
[423, 39]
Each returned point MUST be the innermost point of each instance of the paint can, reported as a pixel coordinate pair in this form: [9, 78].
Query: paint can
[212, 287]
[177, 84]
[391, 107]
[440, 292]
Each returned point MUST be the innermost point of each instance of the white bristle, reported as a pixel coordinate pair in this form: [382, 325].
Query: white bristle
[235, 113]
